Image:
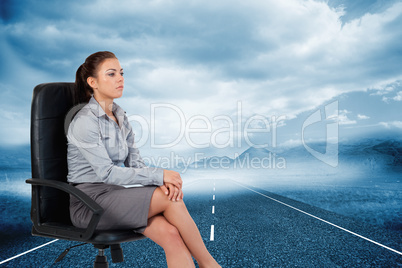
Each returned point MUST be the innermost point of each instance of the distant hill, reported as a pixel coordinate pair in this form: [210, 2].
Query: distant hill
[254, 152]
[366, 155]
[373, 155]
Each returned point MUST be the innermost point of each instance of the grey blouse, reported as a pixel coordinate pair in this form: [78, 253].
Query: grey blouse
[100, 150]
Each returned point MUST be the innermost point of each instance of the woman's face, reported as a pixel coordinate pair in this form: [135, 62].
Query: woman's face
[109, 83]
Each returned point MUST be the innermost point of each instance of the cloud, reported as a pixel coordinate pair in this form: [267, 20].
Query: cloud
[343, 118]
[398, 96]
[392, 124]
[362, 117]
[277, 58]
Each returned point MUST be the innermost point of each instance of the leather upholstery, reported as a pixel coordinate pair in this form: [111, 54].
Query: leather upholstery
[50, 104]
[52, 110]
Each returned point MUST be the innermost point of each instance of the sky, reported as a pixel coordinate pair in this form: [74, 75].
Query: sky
[214, 77]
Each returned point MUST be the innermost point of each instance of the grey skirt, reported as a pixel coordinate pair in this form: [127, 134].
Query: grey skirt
[124, 208]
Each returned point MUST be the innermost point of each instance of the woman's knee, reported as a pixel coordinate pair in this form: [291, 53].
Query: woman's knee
[160, 203]
[177, 205]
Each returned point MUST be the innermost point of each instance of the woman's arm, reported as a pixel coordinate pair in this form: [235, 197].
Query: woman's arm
[90, 154]
[134, 159]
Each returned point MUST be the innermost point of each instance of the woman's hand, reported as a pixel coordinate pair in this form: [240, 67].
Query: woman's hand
[173, 193]
[172, 177]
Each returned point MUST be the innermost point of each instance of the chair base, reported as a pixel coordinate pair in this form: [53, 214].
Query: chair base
[117, 253]
[101, 260]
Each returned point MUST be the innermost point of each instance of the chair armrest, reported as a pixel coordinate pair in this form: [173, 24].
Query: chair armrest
[97, 210]
[65, 187]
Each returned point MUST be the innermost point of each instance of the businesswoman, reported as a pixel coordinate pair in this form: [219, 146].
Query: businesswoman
[103, 162]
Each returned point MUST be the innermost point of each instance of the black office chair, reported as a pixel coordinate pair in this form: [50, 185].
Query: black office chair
[51, 103]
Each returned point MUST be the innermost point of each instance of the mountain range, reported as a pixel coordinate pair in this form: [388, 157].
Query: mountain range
[366, 155]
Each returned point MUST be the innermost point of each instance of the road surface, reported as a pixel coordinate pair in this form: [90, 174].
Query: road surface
[242, 226]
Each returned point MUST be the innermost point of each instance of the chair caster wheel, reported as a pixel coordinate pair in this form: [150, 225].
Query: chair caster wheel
[101, 262]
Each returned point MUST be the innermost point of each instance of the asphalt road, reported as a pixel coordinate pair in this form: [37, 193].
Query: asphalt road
[242, 226]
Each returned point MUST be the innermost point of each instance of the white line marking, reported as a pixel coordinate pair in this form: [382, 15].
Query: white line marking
[213, 209]
[214, 189]
[330, 223]
[211, 238]
[213, 197]
[19, 255]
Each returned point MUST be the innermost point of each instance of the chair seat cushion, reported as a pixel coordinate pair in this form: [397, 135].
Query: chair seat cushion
[115, 237]
[108, 237]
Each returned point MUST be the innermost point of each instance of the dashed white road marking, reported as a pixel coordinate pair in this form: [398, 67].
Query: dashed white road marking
[211, 238]
[26, 252]
[330, 223]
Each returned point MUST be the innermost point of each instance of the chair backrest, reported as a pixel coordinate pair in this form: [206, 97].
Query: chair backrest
[50, 104]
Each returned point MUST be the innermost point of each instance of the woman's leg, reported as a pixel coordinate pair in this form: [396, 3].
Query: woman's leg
[177, 215]
[167, 236]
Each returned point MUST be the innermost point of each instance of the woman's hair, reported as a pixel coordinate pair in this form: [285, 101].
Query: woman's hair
[83, 91]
